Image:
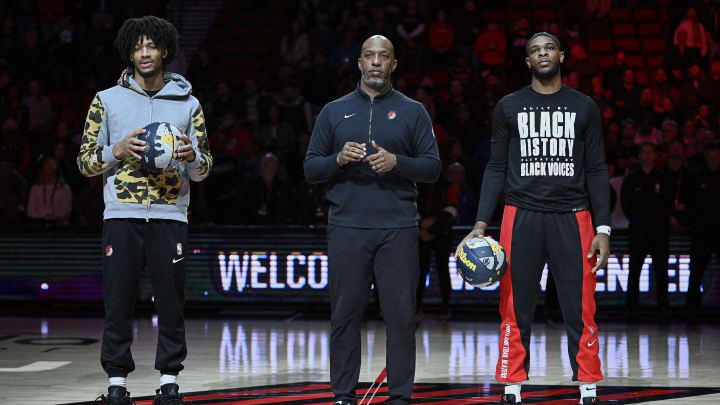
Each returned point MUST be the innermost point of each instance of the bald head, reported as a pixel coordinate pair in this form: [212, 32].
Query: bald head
[379, 42]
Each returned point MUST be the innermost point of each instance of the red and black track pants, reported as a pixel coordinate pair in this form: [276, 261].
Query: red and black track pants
[531, 239]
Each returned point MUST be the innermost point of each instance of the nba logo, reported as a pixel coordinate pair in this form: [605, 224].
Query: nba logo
[179, 249]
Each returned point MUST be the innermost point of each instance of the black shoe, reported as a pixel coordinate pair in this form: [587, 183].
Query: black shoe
[168, 395]
[117, 395]
[506, 399]
[590, 401]
[344, 402]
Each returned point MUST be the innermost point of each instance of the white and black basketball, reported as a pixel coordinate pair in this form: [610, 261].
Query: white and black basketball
[162, 141]
[481, 261]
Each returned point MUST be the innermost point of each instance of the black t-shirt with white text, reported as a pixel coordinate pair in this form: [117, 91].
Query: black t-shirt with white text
[547, 150]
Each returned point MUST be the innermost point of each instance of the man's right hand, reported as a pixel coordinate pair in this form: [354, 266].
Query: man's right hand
[477, 232]
[129, 146]
[351, 152]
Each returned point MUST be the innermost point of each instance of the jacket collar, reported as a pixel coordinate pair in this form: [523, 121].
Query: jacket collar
[381, 96]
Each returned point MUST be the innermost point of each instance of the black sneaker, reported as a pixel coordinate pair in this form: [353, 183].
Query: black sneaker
[508, 399]
[168, 394]
[345, 402]
[117, 395]
[590, 401]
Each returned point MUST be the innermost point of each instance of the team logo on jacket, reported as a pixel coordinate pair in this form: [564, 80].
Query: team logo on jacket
[179, 249]
[392, 115]
[108, 250]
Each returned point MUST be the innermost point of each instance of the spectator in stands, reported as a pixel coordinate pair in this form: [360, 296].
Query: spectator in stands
[464, 127]
[709, 91]
[223, 185]
[14, 148]
[346, 52]
[441, 38]
[586, 67]
[627, 146]
[491, 45]
[613, 75]
[690, 37]
[518, 74]
[459, 195]
[704, 209]
[268, 199]
[647, 201]
[89, 205]
[435, 237]
[678, 177]
[467, 22]
[461, 70]
[50, 199]
[411, 29]
[253, 105]
[669, 130]
[39, 107]
[626, 94]
[13, 193]
[275, 135]
[294, 109]
[236, 137]
[31, 61]
[457, 98]
[314, 82]
[295, 44]
[224, 99]
[597, 23]
[689, 101]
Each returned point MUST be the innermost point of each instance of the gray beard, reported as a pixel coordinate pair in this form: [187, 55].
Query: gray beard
[376, 83]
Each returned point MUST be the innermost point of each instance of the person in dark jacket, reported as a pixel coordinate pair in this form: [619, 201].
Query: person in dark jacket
[371, 146]
[647, 201]
[704, 208]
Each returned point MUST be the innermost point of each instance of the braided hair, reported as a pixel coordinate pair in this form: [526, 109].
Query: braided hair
[161, 31]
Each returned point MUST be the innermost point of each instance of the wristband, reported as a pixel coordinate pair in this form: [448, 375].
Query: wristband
[603, 229]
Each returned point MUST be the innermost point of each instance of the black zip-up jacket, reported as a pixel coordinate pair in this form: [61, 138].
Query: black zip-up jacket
[359, 197]
[647, 199]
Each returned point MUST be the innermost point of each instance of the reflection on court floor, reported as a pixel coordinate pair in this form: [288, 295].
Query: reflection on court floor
[58, 359]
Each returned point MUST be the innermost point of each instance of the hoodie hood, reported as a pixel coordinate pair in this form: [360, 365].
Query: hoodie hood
[175, 84]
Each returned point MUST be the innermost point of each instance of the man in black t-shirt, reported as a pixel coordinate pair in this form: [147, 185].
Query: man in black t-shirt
[547, 152]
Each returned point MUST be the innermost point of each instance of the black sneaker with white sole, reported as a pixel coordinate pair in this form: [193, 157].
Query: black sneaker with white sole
[168, 395]
[117, 395]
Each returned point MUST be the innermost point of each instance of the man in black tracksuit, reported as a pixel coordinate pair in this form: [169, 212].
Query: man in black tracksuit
[547, 148]
[704, 208]
[371, 146]
[647, 201]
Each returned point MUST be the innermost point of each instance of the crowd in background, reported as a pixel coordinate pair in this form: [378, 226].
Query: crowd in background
[55, 55]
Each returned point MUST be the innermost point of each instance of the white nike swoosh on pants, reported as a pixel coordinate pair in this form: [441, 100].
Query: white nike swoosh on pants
[177, 260]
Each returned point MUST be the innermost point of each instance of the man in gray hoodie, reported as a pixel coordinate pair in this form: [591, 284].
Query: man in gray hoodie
[145, 217]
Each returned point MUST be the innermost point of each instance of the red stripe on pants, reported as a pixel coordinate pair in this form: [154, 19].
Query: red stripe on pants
[511, 363]
[587, 358]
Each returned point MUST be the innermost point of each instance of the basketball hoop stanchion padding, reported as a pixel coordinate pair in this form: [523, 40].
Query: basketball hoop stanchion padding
[379, 380]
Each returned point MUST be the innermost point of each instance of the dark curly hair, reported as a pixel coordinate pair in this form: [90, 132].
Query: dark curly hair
[161, 31]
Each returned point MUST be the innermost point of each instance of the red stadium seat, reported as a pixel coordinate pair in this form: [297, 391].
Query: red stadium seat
[599, 45]
[621, 14]
[623, 30]
[494, 15]
[635, 60]
[646, 14]
[654, 61]
[653, 45]
[544, 15]
[650, 30]
[628, 44]
[642, 77]
[518, 14]
[605, 61]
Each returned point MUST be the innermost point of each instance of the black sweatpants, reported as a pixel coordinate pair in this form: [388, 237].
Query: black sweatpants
[655, 242]
[530, 240]
[354, 255]
[129, 245]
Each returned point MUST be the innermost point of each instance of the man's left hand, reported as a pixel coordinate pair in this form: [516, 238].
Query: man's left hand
[383, 161]
[186, 151]
[601, 244]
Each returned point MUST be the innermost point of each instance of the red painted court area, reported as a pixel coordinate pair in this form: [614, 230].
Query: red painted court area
[436, 394]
